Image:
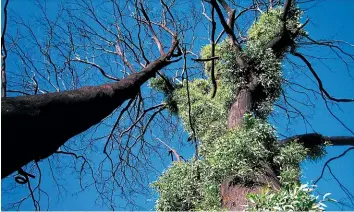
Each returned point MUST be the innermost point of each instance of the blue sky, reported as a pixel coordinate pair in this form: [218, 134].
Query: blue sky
[329, 20]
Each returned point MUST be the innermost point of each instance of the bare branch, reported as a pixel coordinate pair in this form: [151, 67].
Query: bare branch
[4, 53]
[320, 84]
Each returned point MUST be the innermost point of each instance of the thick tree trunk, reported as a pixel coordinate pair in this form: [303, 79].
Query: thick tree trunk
[233, 194]
[239, 108]
[34, 127]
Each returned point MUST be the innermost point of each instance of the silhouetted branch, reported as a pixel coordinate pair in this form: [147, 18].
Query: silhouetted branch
[320, 84]
[312, 139]
[4, 53]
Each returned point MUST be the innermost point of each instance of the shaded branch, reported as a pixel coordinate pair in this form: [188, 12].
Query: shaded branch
[64, 115]
[212, 72]
[313, 139]
[282, 40]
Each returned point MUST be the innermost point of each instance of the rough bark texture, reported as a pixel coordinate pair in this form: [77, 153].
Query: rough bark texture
[34, 127]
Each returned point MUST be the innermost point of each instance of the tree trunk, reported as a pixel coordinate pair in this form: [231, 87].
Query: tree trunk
[233, 194]
[34, 127]
[239, 108]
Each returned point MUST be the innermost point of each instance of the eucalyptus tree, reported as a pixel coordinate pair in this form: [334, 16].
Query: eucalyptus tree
[223, 96]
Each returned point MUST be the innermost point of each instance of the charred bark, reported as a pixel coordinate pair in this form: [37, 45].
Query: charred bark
[34, 127]
[313, 139]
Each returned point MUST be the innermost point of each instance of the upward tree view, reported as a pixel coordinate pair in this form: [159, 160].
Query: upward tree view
[177, 105]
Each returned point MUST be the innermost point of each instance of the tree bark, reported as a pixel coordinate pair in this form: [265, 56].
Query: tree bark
[34, 127]
[239, 108]
[234, 194]
[312, 139]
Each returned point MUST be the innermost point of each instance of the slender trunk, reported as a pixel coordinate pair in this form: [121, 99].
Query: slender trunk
[34, 127]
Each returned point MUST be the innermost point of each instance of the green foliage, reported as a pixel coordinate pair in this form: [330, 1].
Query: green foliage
[288, 159]
[210, 191]
[242, 152]
[267, 27]
[178, 187]
[270, 25]
[205, 112]
[161, 85]
[317, 151]
[267, 68]
[294, 198]
[185, 186]
[206, 54]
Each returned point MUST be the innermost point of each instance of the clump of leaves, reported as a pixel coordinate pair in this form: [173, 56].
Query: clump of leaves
[206, 53]
[166, 86]
[240, 152]
[185, 186]
[317, 151]
[295, 198]
[289, 159]
[270, 25]
[205, 111]
[267, 68]
[178, 187]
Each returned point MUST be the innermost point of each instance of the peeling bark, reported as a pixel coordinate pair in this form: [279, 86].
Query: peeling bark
[34, 127]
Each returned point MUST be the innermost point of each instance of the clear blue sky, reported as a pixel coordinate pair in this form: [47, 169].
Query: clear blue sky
[330, 19]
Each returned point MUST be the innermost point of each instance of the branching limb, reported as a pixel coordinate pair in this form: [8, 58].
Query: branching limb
[154, 36]
[330, 160]
[227, 25]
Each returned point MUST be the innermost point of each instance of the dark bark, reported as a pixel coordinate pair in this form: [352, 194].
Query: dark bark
[34, 127]
[313, 139]
[4, 53]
